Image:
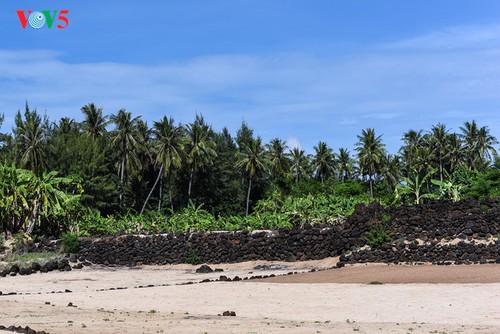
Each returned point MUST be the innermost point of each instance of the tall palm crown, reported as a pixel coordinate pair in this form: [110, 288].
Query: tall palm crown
[94, 123]
[200, 148]
[455, 151]
[412, 149]
[323, 161]
[478, 143]
[371, 151]
[278, 159]
[66, 126]
[169, 143]
[391, 170]
[144, 136]
[345, 164]
[30, 139]
[169, 149]
[299, 163]
[127, 140]
[251, 159]
[484, 147]
[438, 141]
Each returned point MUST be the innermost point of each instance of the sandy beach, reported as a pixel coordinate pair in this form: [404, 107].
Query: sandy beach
[151, 299]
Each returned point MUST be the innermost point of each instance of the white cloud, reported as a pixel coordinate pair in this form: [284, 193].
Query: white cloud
[391, 87]
[293, 142]
[452, 38]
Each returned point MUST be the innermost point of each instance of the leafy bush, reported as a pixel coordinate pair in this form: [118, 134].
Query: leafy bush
[378, 236]
[275, 212]
[92, 223]
[2, 242]
[70, 243]
[193, 258]
[385, 217]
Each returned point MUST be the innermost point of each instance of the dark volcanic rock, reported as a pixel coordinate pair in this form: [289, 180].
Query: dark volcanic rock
[35, 266]
[204, 269]
[14, 269]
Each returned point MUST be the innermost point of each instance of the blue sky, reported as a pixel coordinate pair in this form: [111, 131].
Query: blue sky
[303, 71]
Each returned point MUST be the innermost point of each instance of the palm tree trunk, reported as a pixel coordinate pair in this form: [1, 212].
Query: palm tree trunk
[190, 183]
[171, 198]
[248, 195]
[122, 176]
[152, 189]
[160, 196]
[170, 188]
[32, 220]
[440, 167]
[371, 186]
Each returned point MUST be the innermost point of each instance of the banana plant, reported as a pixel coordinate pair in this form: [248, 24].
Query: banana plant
[448, 190]
[413, 187]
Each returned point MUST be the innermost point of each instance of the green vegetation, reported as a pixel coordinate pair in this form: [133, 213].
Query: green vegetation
[25, 259]
[193, 258]
[385, 217]
[377, 236]
[114, 173]
[70, 243]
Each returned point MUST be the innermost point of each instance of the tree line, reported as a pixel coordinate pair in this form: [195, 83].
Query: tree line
[119, 163]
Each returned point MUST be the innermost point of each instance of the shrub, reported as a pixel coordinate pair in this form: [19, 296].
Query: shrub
[193, 258]
[385, 217]
[2, 242]
[378, 236]
[70, 243]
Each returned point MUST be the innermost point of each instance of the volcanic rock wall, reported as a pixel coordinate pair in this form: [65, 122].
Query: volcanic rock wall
[215, 247]
[463, 232]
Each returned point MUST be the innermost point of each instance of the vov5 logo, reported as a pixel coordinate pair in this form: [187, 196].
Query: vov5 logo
[38, 19]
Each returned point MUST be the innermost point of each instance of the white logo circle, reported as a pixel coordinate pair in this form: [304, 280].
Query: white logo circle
[36, 20]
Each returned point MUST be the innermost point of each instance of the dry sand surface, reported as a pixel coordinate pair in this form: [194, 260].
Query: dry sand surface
[435, 299]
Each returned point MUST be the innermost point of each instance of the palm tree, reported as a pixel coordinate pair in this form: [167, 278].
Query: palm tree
[30, 137]
[200, 149]
[168, 146]
[391, 170]
[345, 164]
[94, 123]
[438, 142]
[413, 141]
[299, 163]
[371, 151]
[484, 147]
[66, 126]
[144, 154]
[278, 159]
[455, 152]
[252, 161]
[323, 161]
[478, 143]
[126, 139]
[469, 137]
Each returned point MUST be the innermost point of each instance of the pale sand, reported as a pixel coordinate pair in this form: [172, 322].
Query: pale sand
[261, 307]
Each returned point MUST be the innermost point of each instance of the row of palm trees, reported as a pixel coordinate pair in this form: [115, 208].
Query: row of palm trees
[167, 147]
